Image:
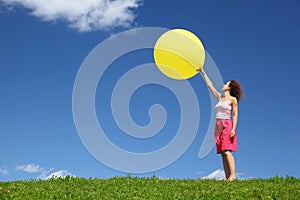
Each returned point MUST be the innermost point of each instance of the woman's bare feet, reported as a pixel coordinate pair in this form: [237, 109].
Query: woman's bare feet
[231, 179]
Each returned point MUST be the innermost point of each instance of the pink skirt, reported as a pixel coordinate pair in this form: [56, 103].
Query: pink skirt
[222, 136]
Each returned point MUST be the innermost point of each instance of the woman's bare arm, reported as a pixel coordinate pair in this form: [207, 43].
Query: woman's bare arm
[209, 83]
[234, 116]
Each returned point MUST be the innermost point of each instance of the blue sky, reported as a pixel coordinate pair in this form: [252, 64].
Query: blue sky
[255, 42]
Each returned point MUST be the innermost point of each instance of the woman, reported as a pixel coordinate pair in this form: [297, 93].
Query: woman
[225, 129]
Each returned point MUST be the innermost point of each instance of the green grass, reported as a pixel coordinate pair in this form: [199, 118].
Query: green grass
[151, 188]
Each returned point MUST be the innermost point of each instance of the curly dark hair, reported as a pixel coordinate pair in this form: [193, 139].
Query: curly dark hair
[236, 90]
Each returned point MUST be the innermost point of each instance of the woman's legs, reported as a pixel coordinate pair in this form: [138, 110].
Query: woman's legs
[229, 165]
[225, 165]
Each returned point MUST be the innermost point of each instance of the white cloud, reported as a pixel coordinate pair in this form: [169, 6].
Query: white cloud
[3, 171]
[46, 174]
[30, 168]
[220, 174]
[60, 173]
[217, 174]
[83, 15]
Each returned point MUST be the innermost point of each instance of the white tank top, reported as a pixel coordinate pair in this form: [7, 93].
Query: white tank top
[223, 109]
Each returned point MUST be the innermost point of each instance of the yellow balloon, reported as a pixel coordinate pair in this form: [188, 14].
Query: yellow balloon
[178, 53]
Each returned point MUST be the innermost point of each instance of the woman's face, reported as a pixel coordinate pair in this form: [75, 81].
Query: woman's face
[226, 86]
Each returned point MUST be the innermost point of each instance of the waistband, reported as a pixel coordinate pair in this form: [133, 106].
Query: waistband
[223, 119]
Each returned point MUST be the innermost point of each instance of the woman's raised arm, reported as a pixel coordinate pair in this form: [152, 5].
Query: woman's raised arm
[209, 84]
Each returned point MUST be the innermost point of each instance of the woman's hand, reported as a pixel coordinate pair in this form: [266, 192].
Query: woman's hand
[200, 70]
[232, 133]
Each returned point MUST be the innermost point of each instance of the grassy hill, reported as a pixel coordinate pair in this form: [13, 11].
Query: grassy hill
[151, 188]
